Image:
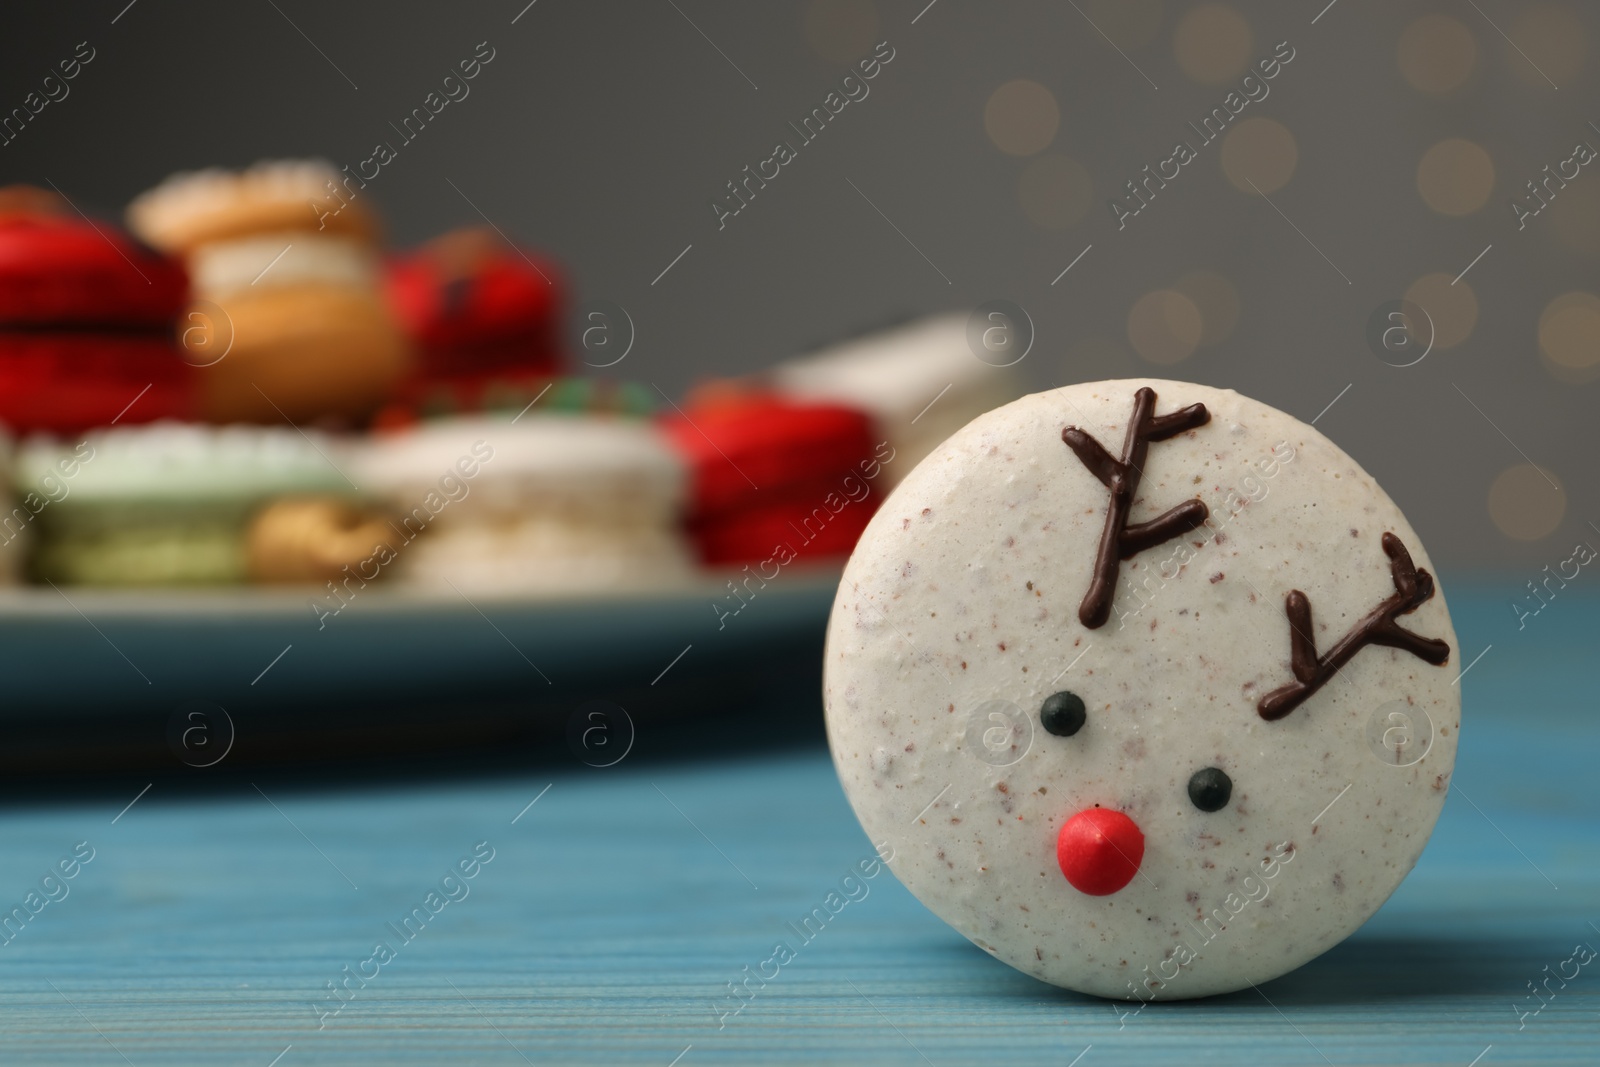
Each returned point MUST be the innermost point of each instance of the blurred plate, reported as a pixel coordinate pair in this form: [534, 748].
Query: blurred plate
[93, 652]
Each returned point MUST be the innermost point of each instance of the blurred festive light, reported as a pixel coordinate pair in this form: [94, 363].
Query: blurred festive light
[1213, 43]
[1569, 330]
[1021, 117]
[1524, 503]
[1261, 151]
[1455, 177]
[1437, 54]
[1574, 216]
[1164, 326]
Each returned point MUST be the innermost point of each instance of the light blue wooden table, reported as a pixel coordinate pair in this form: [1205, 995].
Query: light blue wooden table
[616, 909]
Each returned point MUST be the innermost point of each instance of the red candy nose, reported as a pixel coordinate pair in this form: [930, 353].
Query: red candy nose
[1099, 851]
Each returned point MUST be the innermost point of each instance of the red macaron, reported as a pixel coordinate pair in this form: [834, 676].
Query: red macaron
[478, 311]
[768, 472]
[87, 322]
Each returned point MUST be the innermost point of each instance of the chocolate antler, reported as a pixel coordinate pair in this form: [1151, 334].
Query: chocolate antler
[1412, 587]
[1119, 541]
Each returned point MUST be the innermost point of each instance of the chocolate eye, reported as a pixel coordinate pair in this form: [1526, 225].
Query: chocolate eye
[1210, 789]
[1063, 713]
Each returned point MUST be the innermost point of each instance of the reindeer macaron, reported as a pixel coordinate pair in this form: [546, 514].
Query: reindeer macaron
[1081, 693]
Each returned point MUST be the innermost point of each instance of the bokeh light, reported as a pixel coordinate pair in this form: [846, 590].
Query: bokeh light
[1573, 217]
[1524, 503]
[1164, 326]
[1262, 151]
[1569, 330]
[1455, 177]
[1437, 54]
[1213, 43]
[1021, 117]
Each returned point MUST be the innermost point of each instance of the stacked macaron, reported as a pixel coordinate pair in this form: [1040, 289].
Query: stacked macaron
[922, 382]
[268, 302]
[545, 502]
[289, 257]
[482, 314]
[774, 477]
[165, 504]
[87, 319]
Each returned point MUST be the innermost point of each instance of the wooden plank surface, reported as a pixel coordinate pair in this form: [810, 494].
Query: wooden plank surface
[618, 906]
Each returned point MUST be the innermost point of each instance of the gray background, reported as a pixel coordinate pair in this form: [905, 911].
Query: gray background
[602, 130]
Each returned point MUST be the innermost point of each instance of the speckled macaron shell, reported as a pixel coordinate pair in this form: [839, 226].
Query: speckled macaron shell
[962, 602]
